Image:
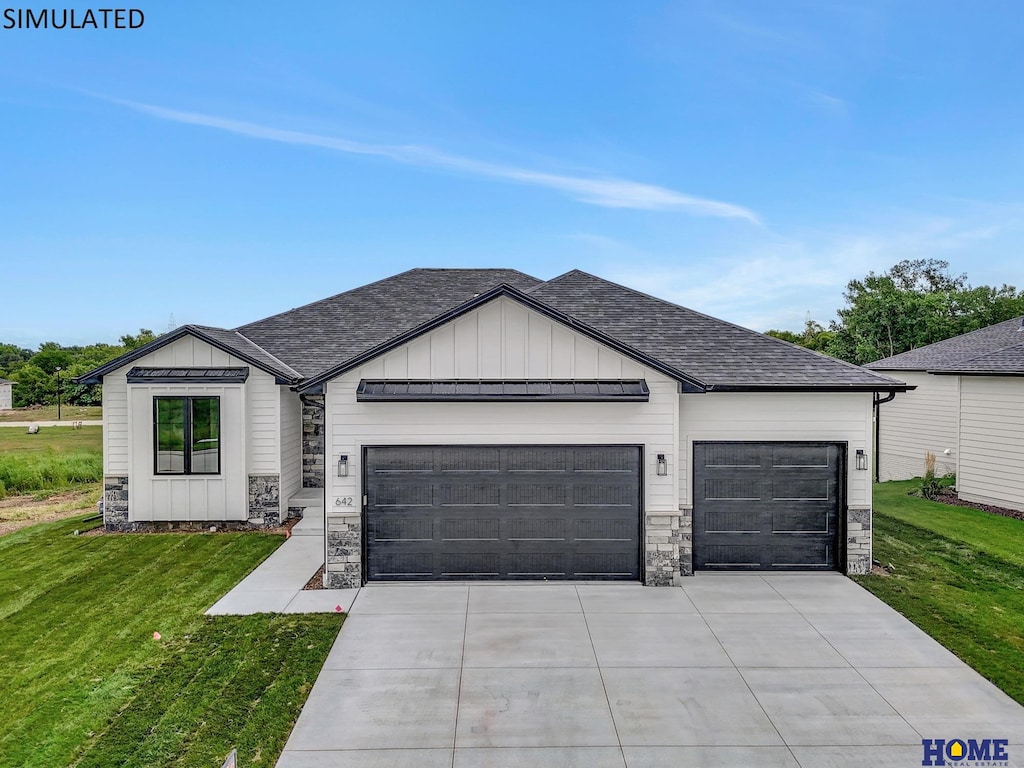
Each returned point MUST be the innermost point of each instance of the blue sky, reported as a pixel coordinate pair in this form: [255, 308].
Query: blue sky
[232, 160]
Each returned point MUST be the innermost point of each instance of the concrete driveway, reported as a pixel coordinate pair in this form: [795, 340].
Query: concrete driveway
[731, 670]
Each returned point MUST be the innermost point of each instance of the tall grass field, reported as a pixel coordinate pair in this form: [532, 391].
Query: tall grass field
[55, 459]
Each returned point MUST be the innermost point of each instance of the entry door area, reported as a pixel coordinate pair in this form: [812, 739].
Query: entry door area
[502, 512]
[766, 505]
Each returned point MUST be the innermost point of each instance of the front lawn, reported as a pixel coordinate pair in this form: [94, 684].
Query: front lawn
[86, 683]
[958, 573]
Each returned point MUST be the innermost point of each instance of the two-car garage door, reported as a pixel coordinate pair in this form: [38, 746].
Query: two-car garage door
[502, 512]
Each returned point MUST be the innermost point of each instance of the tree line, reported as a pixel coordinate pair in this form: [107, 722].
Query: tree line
[914, 303]
[35, 373]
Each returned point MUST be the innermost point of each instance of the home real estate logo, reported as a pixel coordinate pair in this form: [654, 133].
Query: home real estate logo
[965, 753]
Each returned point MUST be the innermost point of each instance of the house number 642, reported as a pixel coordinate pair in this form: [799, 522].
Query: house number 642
[343, 501]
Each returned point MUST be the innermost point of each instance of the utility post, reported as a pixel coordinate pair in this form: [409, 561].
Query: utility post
[58, 393]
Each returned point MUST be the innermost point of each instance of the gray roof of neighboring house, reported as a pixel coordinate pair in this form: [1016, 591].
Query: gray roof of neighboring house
[719, 354]
[326, 333]
[995, 349]
[315, 342]
[6, 381]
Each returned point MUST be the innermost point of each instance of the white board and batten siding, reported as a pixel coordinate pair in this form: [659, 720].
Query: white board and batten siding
[6, 396]
[501, 340]
[779, 416]
[991, 440]
[923, 420]
[291, 445]
[251, 437]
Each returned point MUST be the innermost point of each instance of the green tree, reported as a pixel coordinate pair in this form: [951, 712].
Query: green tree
[915, 303]
[144, 336]
[34, 386]
[813, 337]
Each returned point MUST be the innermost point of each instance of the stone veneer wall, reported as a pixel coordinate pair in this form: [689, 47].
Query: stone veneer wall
[858, 541]
[686, 542]
[265, 500]
[344, 552]
[115, 503]
[661, 550]
[313, 442]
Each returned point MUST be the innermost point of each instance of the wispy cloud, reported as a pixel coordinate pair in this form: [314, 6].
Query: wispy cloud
[605, 192]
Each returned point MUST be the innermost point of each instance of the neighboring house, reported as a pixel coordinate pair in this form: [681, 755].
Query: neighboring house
[968, 410]
[6, 395]
[481, 423]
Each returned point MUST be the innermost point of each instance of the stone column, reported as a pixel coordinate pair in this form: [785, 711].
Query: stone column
[344, 551]
[858, 541]
[265, 500]
[313, 443]
[115, 503]
[661, 550]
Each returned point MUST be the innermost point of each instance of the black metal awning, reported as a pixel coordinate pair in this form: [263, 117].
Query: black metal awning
[139, 375]
[518, 390]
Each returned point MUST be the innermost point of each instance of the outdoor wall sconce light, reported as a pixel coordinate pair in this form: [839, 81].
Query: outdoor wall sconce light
[343, 465]
[662, 465]
[862, 459]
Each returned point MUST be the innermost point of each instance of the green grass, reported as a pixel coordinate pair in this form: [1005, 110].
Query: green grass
[49, 413]
[85, 683]
[55, 458]
[957, 573]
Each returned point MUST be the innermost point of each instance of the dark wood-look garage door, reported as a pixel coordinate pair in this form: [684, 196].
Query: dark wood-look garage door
[502, 512]
[766, 505]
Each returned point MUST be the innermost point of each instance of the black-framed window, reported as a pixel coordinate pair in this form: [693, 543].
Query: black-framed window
[186, 435]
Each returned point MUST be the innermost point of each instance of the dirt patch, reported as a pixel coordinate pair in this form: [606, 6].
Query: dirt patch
[949, 496]
[17, 512]
[317, 581]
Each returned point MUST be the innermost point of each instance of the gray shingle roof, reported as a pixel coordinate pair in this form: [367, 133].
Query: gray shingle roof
[326, 333]
[719, 354]
[231, 342]
[314, 342]
[992, 346]
[6, 381]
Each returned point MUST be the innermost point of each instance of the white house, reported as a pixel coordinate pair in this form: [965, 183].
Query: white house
[484, 424]
[968, 410]
[6, 395]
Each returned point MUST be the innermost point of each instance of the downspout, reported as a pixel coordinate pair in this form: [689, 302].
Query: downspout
[877, 401]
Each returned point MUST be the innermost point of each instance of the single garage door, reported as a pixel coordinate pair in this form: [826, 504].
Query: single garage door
[766, 505]
[502, 512]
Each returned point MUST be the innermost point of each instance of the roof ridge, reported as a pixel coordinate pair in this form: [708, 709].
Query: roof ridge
[817, 354]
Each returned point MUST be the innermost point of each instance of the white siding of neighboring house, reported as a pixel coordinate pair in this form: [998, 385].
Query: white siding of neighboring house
[501, 339]
[291, 445]
[827, 416]
[992, 440]
[6, 397]
[916, 422]
[250, 437]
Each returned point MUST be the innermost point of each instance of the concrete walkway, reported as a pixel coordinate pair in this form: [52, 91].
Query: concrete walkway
[730, 670]
[275, 586]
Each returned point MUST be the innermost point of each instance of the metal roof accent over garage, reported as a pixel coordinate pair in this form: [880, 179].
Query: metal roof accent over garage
[140, 375]
[454, 390]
